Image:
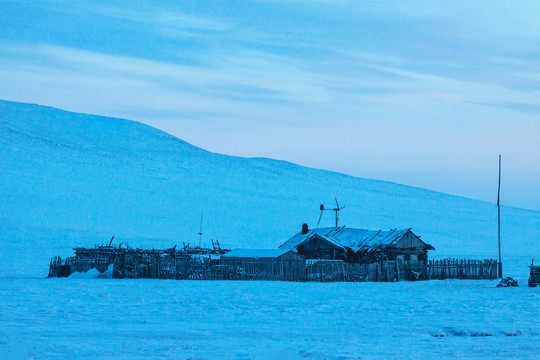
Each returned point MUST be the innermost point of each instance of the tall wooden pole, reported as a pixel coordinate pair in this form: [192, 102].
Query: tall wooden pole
[499, 217]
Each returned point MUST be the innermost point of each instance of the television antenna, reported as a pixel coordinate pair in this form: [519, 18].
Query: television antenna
[337, 209]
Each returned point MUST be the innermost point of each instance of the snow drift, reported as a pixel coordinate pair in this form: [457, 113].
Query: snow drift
[74, 179]
[93, 274]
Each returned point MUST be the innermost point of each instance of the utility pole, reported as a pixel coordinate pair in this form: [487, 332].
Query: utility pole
[499, 217]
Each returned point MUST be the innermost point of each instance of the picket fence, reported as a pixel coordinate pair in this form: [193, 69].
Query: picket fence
[390, 271]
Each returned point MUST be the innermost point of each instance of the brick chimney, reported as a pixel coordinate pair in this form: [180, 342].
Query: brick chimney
[305, 228]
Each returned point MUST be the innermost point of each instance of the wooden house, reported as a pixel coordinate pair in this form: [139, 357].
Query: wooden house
[358, 245]
[267, 264]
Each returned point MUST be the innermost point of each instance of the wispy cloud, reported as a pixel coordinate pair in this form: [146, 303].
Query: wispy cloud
[533, 108]
[157, 18]
[229, 81]
[127, 82]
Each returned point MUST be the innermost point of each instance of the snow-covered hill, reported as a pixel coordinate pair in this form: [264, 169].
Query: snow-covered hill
[74, 179]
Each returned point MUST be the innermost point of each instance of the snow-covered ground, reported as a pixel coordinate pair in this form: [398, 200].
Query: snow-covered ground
[73, 179]
[140, 319]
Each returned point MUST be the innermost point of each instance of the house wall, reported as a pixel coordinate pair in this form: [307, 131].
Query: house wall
[409, 240]
[408, 248]
[317, 248]
[293, 266]
[406, 255]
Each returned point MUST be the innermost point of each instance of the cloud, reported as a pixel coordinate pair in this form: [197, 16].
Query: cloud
[167, 22]
[517, 106]
[82, 80]
[232, 81]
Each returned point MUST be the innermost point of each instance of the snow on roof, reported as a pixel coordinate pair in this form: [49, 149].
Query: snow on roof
[256, 253]
[355, 239]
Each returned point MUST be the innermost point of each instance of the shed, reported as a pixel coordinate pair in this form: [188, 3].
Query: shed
[358, 245]
[267, 264]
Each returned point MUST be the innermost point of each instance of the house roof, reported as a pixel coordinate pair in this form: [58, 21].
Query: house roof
[354, 239]
[255, 253]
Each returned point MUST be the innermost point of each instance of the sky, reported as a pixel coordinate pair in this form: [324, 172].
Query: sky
[423, 93]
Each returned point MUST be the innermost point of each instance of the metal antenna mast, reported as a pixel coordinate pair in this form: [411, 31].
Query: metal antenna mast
[200, 233]
[499, 217]
[337, 209]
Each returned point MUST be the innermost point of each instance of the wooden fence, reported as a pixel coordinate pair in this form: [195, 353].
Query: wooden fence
[390, 271]
[289, 269]
[461, 269]
[386, 271]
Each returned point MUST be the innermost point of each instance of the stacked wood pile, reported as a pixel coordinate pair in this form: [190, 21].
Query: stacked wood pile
[128, 262]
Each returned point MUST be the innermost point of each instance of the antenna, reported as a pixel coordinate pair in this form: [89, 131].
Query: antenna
[337, 209]
[499, 217]
[200, 233]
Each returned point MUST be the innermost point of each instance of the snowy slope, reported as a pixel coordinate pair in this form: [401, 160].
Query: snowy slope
[73, 179]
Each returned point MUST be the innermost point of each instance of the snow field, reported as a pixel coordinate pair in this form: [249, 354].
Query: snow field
[136, 319]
